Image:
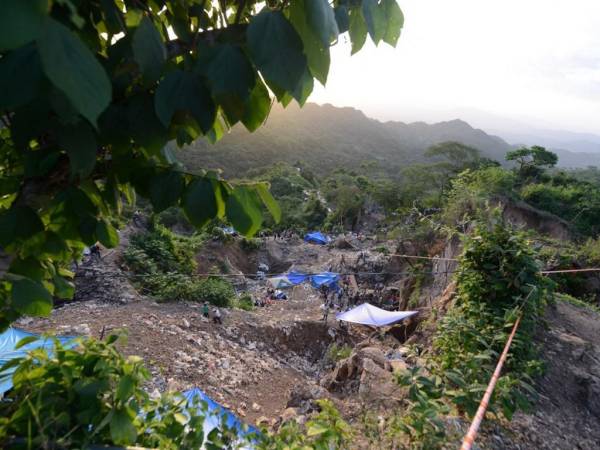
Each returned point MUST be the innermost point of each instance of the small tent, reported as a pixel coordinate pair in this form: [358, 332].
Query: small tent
[9, 340]
[367, 314]
[317, 237]
[216, 415]
[280, 282]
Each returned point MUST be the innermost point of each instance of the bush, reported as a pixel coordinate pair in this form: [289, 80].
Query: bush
[245, 302]
[336, 352]
[92, 395]
[216, 291]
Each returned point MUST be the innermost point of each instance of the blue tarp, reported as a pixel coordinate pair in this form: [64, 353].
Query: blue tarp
[325, 278]
[317, 237]
[297, 277]
[216, 414]
[8, 342]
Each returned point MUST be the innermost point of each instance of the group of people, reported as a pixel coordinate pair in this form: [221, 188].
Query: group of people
[270, 296]
[215, 314]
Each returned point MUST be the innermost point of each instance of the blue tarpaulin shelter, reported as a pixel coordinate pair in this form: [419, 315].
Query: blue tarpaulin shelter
[329, 279]
[297, 277]
[316, 237]
[280, 282]
[9, 340]
[367, 314]
[216, 415]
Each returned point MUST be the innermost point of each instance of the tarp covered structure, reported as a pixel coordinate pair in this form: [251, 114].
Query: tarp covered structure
[316, 237]
[9, 340]
[280, 282]
[367, 314]
[329, 279]
[216, 415]
[297, 277]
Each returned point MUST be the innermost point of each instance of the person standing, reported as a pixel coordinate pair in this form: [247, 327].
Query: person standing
[205, 310]
[217, 316]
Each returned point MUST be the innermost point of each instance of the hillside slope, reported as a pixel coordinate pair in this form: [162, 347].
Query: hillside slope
[326, 137]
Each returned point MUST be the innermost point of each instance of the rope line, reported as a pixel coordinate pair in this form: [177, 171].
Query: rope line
[473, 429]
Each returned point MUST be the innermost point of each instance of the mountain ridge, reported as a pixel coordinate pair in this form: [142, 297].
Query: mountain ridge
[326, 137]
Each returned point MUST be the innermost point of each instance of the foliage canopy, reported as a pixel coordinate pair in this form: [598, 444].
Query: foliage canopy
[93, 91]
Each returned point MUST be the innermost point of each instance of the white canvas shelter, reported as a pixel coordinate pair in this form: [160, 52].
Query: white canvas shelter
[367, 314]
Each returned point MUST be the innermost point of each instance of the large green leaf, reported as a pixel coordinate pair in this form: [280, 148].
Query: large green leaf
[145, 127]
[375, 19]
[80, 143]
[304, 88]
[19, 222]
[72, 68]
[321, 20]
[200, 203]
[148, 49]
[357, 30]
[395, 21]
[276, 49]
[243, 210]
[185, 92]
[122, 429]
[257, 107]
[20, 22]
[231, 78]
[107, 234]
[31, 298]
[317, 55]
[165, 189]
[263, 191]
[21, 77]
[342, 18]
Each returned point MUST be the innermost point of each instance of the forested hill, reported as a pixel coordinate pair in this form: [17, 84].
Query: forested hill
[326, 137]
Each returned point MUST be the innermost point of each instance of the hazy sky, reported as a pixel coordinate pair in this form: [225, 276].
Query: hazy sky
[535, 61]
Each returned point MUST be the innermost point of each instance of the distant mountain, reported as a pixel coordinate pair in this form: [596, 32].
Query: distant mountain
[327, 137]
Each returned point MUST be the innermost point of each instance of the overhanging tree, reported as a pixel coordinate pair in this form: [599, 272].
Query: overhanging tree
[92, 91]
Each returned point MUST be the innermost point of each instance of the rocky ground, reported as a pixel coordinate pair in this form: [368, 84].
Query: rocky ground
[271, 363]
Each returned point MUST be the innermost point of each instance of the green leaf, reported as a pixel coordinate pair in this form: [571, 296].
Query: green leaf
[31, 298]
[357, 30]
[199, 202]
[374, 15]
[20, 22]
[342, 18]
[321, 20]
[243, 210]
[268, 200]
[395, 21]
[63, 288]
[106, 234]
[145, 127]
[80, 143]
[125, 389]
[257, 107]
[165, 189]
[26, 340]
[122, 430]
[19, 222]
[148, 50]
[316, 54]
[231, 78]
[276, 49]
[21, 77]
[184, 92]
[304, 88]
[72, 68]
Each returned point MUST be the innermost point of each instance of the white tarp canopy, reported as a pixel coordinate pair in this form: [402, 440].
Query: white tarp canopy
[367, 314]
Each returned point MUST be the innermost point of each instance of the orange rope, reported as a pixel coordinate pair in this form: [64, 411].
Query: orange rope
[472, 433]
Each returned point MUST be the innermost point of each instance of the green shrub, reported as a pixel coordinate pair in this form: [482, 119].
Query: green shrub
[216, 291]
[337, 352]
[92, 395]
[245, 302]
[250, 244]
